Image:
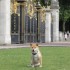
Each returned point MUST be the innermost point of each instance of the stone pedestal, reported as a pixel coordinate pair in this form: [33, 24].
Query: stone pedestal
[55, 20]
[55, 24]
[48, 26]
[5, 36]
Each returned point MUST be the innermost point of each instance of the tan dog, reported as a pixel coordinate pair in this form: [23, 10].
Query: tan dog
[36, 56]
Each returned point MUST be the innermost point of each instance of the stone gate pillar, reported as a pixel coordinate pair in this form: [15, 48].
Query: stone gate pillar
[5, 36]
[55, 20]
[48, 25]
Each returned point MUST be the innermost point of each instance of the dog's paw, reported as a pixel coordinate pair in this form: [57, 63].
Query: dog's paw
[33, 66]
[29, 65]
[40, 66]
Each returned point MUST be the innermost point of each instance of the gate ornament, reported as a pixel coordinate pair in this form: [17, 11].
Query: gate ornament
[14, 6]
[43, 14]
[30, 9]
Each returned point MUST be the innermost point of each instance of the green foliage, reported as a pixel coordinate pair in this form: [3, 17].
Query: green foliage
[42, 2]
[45, 4]
[64, 2]
[64, 14]
[64, 9]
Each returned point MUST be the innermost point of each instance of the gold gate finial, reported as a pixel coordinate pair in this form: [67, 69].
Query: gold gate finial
[30, 9]
[14, 5]
[43, 14]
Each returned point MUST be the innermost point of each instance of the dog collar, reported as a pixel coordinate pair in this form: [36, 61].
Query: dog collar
[34, 53]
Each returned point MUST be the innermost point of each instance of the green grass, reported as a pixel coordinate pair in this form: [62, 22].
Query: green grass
[54, 58]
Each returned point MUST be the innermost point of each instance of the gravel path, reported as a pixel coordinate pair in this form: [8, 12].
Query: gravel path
[61, 44]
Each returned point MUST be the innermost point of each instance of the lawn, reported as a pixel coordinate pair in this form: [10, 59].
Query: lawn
[54, 58]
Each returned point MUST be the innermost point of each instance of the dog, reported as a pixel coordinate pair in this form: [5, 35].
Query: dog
[36, 59]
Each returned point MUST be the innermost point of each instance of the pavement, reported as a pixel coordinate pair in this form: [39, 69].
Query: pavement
[61, 44]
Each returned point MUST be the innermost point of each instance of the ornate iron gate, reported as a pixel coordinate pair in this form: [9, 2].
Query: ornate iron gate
[25, 29]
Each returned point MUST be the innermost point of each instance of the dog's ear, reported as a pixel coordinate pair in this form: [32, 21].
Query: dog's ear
[36, 44]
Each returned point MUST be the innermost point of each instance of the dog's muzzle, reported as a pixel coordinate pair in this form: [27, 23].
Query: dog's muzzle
[33, 52]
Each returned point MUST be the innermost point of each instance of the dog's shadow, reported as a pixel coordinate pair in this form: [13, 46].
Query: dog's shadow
[33, 68]
[26, 66]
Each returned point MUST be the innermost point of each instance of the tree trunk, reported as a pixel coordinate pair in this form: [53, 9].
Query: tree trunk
[64, 26]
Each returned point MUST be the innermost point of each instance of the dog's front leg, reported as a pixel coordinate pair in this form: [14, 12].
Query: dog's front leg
[40, 60]
[32, 62]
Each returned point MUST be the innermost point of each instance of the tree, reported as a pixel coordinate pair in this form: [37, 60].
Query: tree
[64, 11]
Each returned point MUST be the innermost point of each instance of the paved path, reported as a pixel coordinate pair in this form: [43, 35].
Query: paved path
[61, 44]
[56, 44]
